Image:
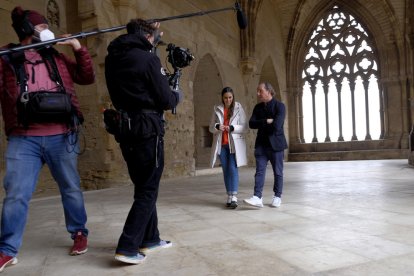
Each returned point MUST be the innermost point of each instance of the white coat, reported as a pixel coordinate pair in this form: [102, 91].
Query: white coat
[237, 141]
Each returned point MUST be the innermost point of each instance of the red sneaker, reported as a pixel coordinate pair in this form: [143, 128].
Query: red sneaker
[80, 244]
[6, 260]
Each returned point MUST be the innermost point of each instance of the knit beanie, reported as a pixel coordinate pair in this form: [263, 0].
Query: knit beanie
[19, 16]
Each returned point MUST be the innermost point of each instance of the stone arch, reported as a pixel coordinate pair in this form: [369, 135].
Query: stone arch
[268, 74]
[387, 36]
[206, 92]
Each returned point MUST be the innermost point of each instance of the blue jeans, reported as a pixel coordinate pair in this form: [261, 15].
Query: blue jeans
[230, 172]
[263, 155]
[25, 157]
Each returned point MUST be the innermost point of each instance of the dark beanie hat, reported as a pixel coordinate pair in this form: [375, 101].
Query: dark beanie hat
[19, 16]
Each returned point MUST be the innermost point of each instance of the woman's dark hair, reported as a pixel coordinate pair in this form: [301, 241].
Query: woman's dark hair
[231, 108]
[141, 27]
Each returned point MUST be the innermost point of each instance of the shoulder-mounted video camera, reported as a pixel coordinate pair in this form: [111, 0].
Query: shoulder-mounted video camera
[179, 57]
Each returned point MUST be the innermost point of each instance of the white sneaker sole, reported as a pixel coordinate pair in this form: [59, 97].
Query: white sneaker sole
[252, 204]
[76, 253]
[127, 260]
[156, 248]
[276, 204]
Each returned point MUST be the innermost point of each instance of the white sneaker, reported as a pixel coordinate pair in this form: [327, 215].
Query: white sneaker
[233, 203]
[161, 244]
[134, 259]
[228, 203]
[254, 201]
[276, 202]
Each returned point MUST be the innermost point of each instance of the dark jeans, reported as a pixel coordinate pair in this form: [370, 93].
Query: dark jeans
[145, 161]
[263, 155]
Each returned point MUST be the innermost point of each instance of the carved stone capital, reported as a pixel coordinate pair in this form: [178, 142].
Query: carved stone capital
[248, 65]
[53, 13]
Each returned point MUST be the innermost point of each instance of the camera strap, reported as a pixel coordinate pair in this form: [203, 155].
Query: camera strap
[51, 66]
[18, 61]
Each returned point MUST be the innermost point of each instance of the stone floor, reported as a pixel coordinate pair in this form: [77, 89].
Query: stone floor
[337, 218]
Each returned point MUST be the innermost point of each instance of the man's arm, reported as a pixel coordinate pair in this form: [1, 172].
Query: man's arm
[81, 70]
[162, 92]
[280, 117]
[255, 121]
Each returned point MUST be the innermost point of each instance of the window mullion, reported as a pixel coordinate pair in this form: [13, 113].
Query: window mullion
[352, 87]
[313, 91]
[366, 86]
[339, 89]
[326, 90]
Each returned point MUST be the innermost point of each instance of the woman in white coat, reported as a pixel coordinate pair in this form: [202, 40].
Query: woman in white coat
[228, 124]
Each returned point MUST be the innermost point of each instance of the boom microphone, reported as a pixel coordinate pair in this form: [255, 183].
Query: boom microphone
[241, 17]
[241, 21]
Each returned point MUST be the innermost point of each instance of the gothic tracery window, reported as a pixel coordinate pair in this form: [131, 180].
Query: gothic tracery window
[341, 96]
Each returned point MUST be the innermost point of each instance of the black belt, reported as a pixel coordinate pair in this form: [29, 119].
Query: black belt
[148, 111]
[143, 111]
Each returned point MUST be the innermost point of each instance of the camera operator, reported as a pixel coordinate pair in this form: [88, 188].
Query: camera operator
[139, 90]
[36, 137]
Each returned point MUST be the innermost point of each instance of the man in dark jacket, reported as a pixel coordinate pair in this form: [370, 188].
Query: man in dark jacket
[268, 117]
[34, 141]
[140, 91]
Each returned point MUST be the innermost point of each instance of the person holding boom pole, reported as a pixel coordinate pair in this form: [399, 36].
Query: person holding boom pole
[41, 120]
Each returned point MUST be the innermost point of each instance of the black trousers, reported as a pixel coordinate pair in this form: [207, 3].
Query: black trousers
[145, 161]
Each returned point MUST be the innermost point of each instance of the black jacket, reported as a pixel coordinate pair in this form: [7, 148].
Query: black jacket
[269, 134]
[135, 77]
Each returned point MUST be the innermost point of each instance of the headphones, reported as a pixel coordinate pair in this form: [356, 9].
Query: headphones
[27, 26]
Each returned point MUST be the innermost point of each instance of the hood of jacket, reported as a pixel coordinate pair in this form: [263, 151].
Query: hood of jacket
[220, 108]
[127, 41]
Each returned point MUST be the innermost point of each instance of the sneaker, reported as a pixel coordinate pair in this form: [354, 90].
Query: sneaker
[80, 244]
[161, 244]
[6, 260]
[233, 202]
[276, 202]
[254, 201]
[134, 259]
[228, 203]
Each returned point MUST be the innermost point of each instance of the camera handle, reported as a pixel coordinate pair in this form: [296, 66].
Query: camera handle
[174, 81]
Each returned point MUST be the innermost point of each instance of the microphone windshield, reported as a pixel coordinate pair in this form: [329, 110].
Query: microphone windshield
[241, 17]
